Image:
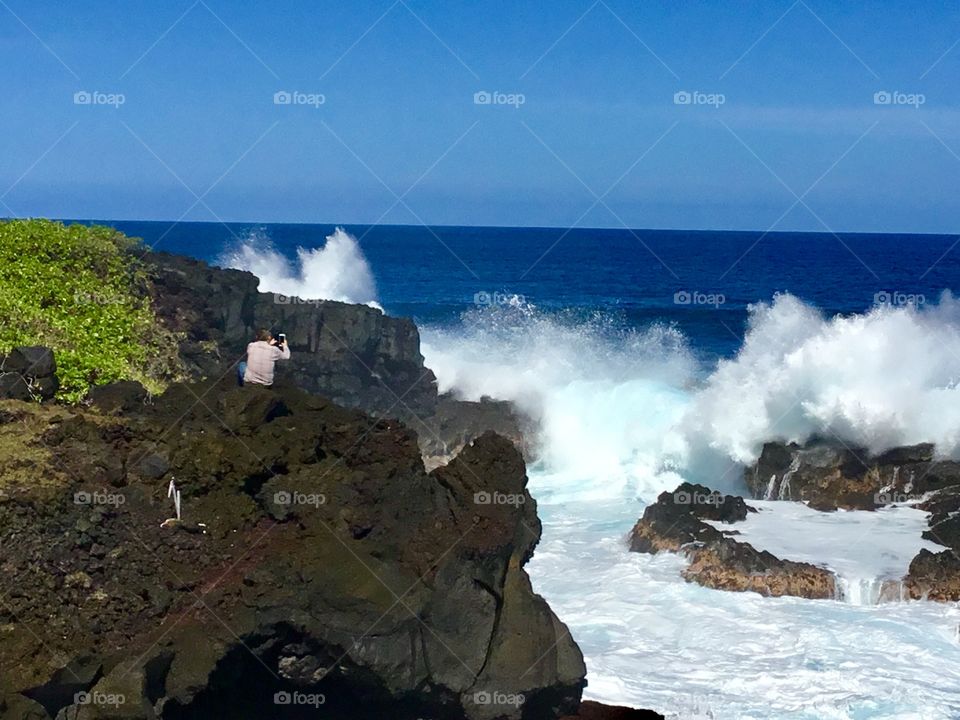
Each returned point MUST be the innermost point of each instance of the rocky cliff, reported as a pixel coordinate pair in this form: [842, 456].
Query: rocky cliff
[317, 565]
[353, 354]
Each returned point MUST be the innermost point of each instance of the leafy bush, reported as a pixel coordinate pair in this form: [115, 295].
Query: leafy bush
[83, 292]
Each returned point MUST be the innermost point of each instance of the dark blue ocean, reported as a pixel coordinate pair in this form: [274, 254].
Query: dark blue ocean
[637, 277]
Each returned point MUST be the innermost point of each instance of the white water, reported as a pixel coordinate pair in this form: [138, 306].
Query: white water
[626, 415]
[336, 271]
[861, 548]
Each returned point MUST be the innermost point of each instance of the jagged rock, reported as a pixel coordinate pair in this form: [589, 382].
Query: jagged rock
[935, 576]
[353, 354]
[324, 560]
[456, 423]
[28, 372]
[34, 361]
[829, 475]
[675, 523]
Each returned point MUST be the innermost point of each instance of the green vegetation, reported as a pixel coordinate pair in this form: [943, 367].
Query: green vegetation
[82, 291]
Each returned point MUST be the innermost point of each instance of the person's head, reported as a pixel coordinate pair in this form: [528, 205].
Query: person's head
[264, 335]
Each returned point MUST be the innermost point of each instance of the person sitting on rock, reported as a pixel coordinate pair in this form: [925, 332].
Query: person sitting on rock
[262, 355]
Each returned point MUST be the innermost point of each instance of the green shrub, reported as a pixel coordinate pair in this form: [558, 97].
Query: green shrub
[82, 291]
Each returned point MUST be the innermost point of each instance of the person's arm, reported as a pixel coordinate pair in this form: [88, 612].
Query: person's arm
[284, 351]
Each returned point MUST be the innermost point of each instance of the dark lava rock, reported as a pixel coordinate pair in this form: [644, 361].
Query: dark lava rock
[28, 372]
[828, 475]
[34, 361]
[675, 523]
[353, 354]
[118, 397]
[595, 711]
[457, 423]
[936, 576]
[315, 558]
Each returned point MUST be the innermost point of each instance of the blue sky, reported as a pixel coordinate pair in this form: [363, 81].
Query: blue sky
[783, 130]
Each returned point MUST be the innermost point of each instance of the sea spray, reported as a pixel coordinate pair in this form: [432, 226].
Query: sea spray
[606, 397]
[336, 271]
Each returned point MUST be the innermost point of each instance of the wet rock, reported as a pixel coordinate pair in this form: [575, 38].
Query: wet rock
[456, 423]
[675, 523]
[830, 476]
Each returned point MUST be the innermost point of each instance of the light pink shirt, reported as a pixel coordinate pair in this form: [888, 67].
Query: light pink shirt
[261, 357]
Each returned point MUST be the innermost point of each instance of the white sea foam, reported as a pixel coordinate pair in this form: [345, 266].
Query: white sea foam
[882, 379]
[336, 271]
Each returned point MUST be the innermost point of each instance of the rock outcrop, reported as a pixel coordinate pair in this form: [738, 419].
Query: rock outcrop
[675, 523]
[28, 373]
[936, 575]
[829, 475]
[316, 563]
[353, 354]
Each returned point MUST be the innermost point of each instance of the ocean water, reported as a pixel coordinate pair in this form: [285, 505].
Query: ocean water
[651, 357]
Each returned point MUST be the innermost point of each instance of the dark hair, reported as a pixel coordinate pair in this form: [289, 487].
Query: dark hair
[264, 335]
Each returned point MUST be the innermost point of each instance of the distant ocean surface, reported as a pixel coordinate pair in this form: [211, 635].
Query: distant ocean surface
[653, 357]
[433, 274]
